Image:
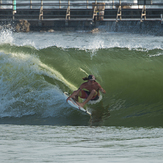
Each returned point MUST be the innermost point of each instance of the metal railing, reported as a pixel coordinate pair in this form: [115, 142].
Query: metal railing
[39, 8]
[8, 4]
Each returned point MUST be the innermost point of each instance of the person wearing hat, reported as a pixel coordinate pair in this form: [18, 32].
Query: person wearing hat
[88, 90]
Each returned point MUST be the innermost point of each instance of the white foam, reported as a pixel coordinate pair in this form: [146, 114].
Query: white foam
[156, 55]
[82, 40]
[6, 36]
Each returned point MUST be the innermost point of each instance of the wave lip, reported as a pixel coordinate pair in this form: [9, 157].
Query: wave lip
[81, 40]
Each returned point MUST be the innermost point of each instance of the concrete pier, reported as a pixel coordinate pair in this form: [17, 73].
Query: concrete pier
[60, 15]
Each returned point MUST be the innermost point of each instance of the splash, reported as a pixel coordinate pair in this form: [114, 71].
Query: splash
[6, 36]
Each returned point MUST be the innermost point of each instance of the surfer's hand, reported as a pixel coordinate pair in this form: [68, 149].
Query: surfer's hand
[67, 99]
[102, 90]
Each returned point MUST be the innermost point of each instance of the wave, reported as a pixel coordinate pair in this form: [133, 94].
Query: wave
[33, 81]
[83, 40]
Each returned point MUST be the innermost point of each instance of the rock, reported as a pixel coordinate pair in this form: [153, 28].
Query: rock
[95, 30]
[51, 30]
[17, 28]
[23, 26]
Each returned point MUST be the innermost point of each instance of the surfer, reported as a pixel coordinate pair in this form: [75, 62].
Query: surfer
[88, 90]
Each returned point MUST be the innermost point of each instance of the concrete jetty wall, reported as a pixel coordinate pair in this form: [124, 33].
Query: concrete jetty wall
[142, 15]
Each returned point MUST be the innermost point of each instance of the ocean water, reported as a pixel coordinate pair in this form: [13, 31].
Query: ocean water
[28, 143]
[36, 123]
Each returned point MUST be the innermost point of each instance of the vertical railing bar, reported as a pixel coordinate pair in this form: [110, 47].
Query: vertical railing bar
[0, 4]
[112, 3]
[30, 4]
[87, 4]
[41, 3]
[13, 9]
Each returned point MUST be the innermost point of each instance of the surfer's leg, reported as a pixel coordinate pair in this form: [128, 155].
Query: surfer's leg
[75, 98]
[74, 95]
[81, 94]
[93, 92]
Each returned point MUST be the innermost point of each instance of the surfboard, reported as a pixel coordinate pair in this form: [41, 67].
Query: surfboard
[74, 104]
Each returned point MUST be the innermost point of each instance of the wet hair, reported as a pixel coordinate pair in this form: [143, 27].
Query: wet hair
[90, 77]
[85, 78]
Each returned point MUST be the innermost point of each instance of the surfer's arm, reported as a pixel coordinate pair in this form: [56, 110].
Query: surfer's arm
[101, 89]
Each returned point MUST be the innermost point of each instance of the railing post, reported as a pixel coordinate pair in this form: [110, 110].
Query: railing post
[95, 9]
[30, 4]
[87, 4]
[112, 3]
[13, 8]
[161, 18]
[143, 14]
[41, 3]
[68, 3]
[0, 3]
[59, 3]
[119, 12]
[68, 11]
[41, 11]
[14, 5]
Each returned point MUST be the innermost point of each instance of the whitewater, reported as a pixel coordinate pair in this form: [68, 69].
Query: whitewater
[36, 123]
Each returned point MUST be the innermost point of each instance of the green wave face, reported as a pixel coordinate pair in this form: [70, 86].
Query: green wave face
[33, 81]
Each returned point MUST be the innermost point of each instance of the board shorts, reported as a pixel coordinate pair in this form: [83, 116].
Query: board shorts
[84, 94]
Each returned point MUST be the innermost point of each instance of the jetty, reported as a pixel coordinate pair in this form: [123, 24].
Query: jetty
[36, 15]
